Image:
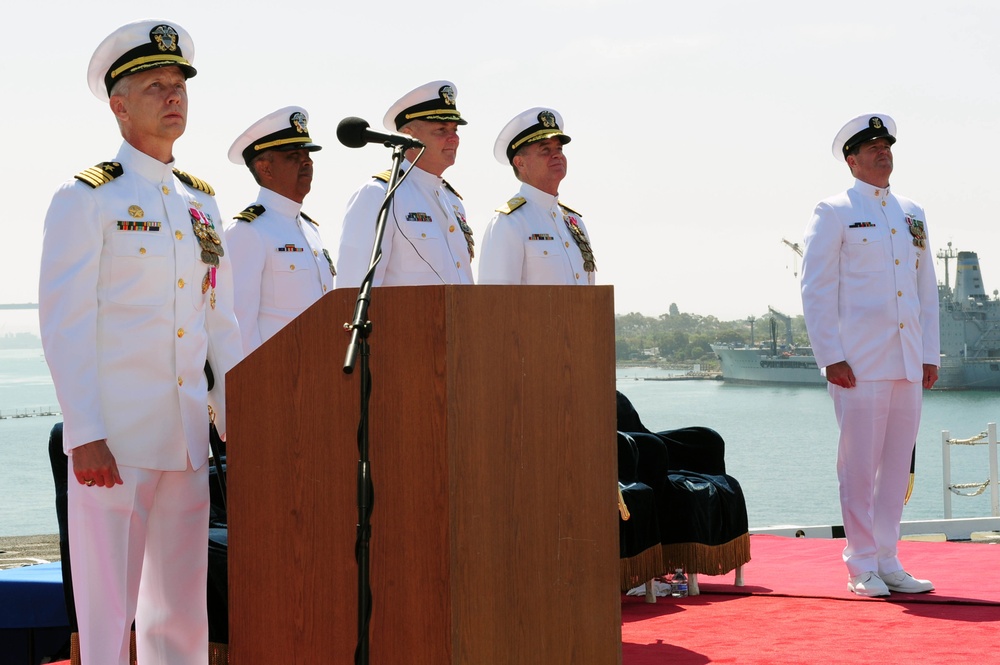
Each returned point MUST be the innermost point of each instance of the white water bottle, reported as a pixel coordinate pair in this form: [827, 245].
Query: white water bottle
[679, 584]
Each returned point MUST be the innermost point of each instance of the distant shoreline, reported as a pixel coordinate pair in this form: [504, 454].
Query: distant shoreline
[18, 551]
[30, 412]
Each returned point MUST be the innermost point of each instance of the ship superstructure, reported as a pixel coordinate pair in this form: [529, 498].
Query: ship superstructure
[970, 338]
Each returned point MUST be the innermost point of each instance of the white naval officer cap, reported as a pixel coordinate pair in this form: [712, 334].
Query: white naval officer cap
[863, 128]
[535, 124]
[434, 101]
[285, 129]
[137, 47]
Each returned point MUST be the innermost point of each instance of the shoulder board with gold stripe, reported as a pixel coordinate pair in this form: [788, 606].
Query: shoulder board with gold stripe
[568, 209]
[383, 176]
[250, 213]
[512, 205]
[308, 218]
[197, 183]
[100, 174]
[451, 189]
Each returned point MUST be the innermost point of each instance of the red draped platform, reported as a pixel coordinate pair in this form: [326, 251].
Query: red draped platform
[795, 608]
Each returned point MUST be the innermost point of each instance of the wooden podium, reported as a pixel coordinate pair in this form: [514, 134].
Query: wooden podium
[494, 526]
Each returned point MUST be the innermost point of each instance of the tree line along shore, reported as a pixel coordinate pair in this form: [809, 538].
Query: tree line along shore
[673, 339]
[683, 339]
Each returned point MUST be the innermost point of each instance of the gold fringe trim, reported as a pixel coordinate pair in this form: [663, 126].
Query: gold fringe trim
[708, 559]
[641, 568]
[218, 654]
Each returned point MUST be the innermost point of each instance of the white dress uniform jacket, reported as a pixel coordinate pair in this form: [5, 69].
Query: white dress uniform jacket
[869, 292]
[125, 324]
[528, 242]
[427, 240]
[280, 266]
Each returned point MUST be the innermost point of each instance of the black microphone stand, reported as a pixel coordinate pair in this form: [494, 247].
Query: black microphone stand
[360, 329]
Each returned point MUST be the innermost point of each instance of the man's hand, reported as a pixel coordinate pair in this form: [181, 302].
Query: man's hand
[930, 376]
[94, 465]
[841, 374]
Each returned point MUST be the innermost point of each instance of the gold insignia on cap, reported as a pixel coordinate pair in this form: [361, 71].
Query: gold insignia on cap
[136, 211]
[548, 119]
[299, 122]
[447, 94]
[165, 37]
[876, 123]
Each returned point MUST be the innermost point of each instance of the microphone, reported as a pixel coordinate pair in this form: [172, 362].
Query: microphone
[355, 133]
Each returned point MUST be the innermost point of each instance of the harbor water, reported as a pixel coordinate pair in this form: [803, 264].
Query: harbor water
[27, 495]
[781, 443]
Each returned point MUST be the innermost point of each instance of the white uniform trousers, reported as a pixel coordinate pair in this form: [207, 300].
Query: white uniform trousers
[140, 551]
[878, 429]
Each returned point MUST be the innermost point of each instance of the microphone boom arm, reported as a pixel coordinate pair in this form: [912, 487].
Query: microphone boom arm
[361, 328]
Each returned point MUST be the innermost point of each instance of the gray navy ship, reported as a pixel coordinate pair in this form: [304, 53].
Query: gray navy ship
[970, 339]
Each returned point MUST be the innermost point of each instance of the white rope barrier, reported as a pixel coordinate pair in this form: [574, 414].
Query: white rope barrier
[980, 488]
[989, 438]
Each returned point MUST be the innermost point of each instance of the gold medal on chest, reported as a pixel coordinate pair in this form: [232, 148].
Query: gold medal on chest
[136, 212]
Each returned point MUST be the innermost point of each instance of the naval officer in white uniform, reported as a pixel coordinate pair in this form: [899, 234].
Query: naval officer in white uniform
[534, 238]
[280, 264]
[870, 300]
[135, 295]
[427, 239]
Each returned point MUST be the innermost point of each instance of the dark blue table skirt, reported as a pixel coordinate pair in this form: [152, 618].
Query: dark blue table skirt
[32, 612]
[32, 597]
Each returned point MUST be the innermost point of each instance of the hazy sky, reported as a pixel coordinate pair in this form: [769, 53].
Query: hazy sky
[701, 131]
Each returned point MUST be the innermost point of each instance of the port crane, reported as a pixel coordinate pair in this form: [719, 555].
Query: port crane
[797, 248]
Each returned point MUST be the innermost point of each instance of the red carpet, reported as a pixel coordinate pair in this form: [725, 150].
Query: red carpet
[769, 629]
[812, 567]
[796, 609]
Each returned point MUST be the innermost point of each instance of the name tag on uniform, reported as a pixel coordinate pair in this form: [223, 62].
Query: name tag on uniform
[539, 236]
[132, 225]
[861, 225]
[290, 247]
[418, 217]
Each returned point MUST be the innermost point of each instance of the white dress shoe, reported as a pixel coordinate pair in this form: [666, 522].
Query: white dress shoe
[902, 582]
[869, 585]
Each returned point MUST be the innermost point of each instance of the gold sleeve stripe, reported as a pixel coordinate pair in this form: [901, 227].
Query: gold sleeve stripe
[94, 177]
[192, 181]
[101, 174]
[250, 213]
[451, 189]
[512, 205]
[568, 209]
